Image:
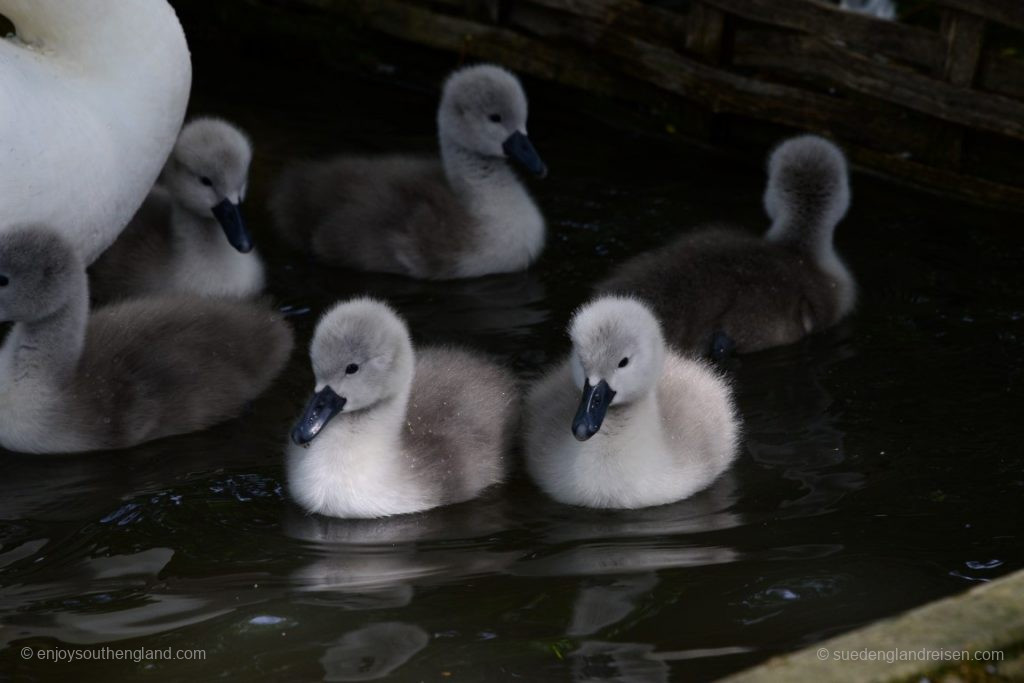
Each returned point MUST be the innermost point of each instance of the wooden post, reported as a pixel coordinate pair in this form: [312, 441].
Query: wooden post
[706, 33]
[487, 11]
[765, 59]
[705, 38]
[963, 35]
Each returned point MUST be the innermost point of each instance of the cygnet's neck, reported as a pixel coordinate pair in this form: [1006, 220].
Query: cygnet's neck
[49, 349]
[812, 235]
[510, 227]
[637, 422]
[377, 428]
[204, 262]
[197, 233]
[474, 176]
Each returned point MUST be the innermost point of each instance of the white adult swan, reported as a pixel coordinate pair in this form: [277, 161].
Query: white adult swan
[92, 96]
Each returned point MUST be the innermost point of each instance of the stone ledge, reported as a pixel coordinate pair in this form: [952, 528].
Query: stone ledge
[989, 617]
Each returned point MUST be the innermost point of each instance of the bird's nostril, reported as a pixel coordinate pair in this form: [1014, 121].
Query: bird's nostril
[4, 281]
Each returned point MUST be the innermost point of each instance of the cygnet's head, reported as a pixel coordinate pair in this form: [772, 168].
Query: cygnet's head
[808, 186]
[362, 356]
[208, 173]
[483, 111]
[39, 273]
[617, 357]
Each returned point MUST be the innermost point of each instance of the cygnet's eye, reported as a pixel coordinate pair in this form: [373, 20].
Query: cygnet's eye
[4, 281]
[205, 180]
[624, 362]
[495, 118]
[351, 369]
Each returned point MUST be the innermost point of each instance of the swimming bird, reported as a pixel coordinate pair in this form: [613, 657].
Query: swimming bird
[94, 96]
[721, 289]
[652, 427]
[189, 236]
[127, 373]
[390, 430]
[463, 216]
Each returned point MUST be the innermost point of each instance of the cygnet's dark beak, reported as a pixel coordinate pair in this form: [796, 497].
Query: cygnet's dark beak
[229, 216]
[593, 407]
[324, 405]
[519, 149]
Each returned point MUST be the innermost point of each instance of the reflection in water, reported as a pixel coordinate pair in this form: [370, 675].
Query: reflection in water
[598, 542]
[95, 583]
[791, 426]
[92, 485]
[374, 563]
[618, 554]
[706, 511]
[505, 305]
[482, 517]
[497, 305]
[21, 551]
[373, 652]
[622, 558]
[617, 662]
[35, 488]
[768, 599]
[602, 605]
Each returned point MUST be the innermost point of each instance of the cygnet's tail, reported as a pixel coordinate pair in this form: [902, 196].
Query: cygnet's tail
[808, 191]
[292, 204]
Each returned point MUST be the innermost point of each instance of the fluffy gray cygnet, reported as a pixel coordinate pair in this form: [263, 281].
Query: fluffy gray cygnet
[652, 426]
[189, 236]
[720, 289]
[390, 430]
[128, 373]
[464, 215]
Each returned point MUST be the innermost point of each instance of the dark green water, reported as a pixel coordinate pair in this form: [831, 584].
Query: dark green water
[881, 466]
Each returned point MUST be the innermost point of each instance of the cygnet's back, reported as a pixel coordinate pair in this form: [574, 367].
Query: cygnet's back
[394, 214]
[724, 283]
[460, 422]
[136, 262]
[171, 365]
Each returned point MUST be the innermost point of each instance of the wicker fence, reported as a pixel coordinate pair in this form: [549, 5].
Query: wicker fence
[940, 107]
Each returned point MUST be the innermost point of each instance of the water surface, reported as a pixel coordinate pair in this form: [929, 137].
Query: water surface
[880, 467]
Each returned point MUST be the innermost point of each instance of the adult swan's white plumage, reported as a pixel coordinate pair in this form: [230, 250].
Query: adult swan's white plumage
[92, 96]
